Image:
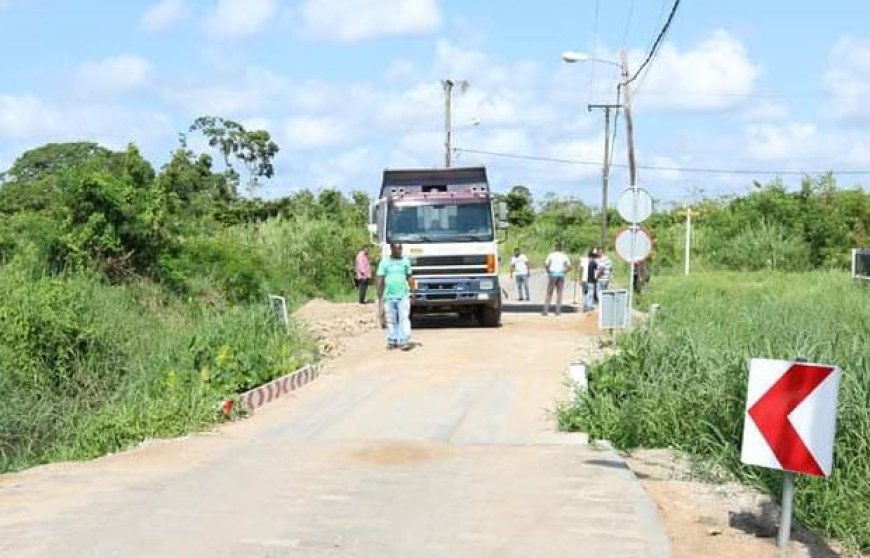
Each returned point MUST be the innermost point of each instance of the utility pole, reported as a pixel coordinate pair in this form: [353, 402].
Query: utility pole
[448, 125]
[632, 170]
[629, 126]
[605, 168]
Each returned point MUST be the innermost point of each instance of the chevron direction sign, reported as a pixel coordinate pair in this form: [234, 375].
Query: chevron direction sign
[791, 416]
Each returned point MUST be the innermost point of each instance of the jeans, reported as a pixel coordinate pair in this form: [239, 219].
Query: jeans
[398, 315]
[363, 285]
[522, 286]
[589, 295]
[554, 283]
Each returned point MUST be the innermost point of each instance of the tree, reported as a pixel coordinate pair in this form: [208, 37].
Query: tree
[53, 158]
[253, 148]
[520, 205]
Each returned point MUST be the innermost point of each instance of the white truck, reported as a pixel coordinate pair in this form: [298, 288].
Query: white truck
[447, 222]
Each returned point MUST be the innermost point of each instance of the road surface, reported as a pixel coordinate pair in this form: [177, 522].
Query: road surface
[448, 450]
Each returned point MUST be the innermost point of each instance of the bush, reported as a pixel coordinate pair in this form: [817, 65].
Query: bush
[87, 367]
[683, 385]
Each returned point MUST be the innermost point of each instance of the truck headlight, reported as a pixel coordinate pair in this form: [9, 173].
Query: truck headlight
[487, 285]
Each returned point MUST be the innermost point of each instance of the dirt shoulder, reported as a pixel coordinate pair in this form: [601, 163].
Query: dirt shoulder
[332, 324]
[708, 519]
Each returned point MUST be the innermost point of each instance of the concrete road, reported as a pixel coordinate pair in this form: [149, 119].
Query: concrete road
[446, 451]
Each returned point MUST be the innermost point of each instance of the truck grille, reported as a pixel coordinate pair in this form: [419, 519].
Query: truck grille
[450, 271]
[431, 261]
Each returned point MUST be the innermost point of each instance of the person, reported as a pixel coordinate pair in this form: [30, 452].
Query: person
[605, 270]
[394, 295]
[520, 271]
[558, 265]
[363, 273]
[590, 282]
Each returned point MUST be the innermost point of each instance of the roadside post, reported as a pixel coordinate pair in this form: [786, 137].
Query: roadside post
[279, 308]
[789, 424]
[633, 244]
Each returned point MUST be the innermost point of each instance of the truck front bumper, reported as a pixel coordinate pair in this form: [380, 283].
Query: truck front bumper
[444, 293]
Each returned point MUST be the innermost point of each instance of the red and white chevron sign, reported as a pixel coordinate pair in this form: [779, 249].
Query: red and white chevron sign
[791, 416]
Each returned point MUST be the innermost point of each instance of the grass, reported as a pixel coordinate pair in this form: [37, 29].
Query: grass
[88, 368]
[683, 384]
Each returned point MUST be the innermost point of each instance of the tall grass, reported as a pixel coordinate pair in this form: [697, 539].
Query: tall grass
[683, 384]
[87, 367]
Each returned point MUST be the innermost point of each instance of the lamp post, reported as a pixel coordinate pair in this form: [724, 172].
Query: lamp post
[448, 85]
[572, 57]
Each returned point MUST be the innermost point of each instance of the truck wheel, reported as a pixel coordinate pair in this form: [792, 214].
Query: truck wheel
[489, 317]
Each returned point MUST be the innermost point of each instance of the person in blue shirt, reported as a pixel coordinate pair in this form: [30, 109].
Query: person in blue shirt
[394, 295]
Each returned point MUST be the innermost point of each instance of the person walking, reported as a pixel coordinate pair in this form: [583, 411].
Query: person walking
[558, 265]
[590, 283]
[394, 296]
[363, 273]
[605, 271]
[520, 272]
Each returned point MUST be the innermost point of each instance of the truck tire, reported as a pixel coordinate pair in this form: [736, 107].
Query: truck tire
[489, 317]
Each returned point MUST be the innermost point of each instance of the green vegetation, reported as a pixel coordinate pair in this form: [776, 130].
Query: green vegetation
[132, 300]
[768, 281]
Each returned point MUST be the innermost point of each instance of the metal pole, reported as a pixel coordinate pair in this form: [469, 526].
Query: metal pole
[632, 171]
[688, 237]
[448, 125]
[785, 516]
[605, 168]
[605, 172]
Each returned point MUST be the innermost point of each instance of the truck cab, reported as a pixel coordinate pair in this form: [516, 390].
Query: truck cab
[446, 223]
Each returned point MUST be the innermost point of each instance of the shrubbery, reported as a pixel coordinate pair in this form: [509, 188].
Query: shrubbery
[683, 384]
[131, 301]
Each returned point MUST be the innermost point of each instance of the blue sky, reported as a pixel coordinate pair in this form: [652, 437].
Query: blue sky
[349, 87]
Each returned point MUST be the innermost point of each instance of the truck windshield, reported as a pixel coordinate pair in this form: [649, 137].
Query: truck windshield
[449, 222]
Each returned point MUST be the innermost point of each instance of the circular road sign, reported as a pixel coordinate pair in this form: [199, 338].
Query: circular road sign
[635, 205]
[633, 245]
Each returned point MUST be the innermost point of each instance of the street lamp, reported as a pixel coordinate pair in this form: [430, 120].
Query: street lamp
[572, 56]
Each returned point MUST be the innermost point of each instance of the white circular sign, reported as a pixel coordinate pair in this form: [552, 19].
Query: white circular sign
[633, 245]
[635, 205]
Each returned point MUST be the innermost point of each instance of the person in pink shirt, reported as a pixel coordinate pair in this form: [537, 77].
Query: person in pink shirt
[363, 273]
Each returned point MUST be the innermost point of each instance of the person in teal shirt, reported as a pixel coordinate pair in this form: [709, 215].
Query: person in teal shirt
[394, 293]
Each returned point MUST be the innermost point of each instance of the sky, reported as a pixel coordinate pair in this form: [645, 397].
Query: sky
[348, 88]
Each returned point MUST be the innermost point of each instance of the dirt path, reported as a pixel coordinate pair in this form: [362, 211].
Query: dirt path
[449, 450]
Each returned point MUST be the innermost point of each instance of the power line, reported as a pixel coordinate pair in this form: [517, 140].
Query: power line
[699, 170]
[657, 42]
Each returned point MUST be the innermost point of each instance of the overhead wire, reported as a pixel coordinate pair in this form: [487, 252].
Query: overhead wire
[656, 44]
[700, 170]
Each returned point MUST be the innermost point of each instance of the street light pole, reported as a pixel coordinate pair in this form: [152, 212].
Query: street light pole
[448, 125]
[629, 125]
[605, 168]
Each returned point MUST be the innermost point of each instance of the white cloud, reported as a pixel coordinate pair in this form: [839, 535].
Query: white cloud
[715, 75]
[29, 119]
[847, 79]
[359, 20]
[113, 76]
[236, 19]
[765, 110]
[163, 14]
[783, 142]
[307, 132]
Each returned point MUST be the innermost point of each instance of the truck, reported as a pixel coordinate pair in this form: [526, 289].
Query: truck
[447, 222]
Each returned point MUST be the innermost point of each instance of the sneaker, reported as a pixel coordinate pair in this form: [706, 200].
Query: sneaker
[391, 346]
[406, 346]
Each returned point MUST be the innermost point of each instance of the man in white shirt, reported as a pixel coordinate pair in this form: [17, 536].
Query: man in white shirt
[520, 272]
[558, 265]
